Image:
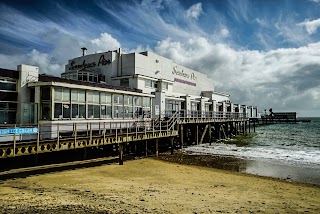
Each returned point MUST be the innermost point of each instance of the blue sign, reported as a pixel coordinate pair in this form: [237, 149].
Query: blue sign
[19, 130]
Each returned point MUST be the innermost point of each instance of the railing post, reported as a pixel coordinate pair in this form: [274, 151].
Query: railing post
[104, 133]
[91, 133]
[75, 134]
[38, 139]
[152, 128]
[136, 129]
[127, 132]
[14, 141]
[58, 136]
[116, 131]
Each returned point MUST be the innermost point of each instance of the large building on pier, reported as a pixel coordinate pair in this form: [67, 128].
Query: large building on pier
[111, 86]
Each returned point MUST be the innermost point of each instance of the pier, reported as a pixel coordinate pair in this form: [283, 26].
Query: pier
[179, 129]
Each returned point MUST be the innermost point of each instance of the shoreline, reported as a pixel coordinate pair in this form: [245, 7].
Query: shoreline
[260, 168]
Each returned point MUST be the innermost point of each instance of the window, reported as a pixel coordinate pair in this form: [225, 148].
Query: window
[62, 94]
[164, 86]
[137, 101]
[106, 111]
[93, 97]
[105, 98]
[127, 100]
[124, 82]
[61, 111]
[128, 112]
[45, 93]
[146, 102]
[45, 111]
[118, 99]
[93, 111]
[150, 83]
[118, 112]
[7, 85]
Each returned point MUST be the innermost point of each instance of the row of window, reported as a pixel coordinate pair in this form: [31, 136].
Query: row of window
[67, 111]
[81, 96]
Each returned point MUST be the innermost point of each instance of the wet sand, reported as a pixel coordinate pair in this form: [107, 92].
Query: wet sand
[155, 186]
[290, 173]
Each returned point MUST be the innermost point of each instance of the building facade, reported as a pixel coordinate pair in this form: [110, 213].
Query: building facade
[111, 86]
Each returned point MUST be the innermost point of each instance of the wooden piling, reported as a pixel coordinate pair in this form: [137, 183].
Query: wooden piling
[120, 154]
[157, 147]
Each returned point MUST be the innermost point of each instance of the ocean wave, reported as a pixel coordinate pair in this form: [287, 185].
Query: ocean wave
[287, 156]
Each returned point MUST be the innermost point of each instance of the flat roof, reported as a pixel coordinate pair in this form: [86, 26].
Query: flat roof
[9, 73]
[47, 78]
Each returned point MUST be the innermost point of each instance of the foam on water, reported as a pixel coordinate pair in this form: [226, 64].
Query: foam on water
[293, 144]
[286, 156]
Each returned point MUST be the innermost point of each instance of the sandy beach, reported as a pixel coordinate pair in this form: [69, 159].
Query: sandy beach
[150, 185]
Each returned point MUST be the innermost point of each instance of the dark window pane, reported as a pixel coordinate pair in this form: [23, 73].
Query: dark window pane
[45, 93]
[58, 110]
[96, 112]
[45, 111]
[66, 111]
[82, 111]
[75, 111]
[90, 111]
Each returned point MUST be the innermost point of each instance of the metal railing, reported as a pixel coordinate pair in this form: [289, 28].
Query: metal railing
[81, 129]
[184, 114]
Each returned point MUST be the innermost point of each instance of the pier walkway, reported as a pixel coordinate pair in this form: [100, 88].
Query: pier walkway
[66, 135]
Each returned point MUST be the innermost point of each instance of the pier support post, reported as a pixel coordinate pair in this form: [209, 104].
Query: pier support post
[157, 147]
[210, 136]
[85, 152]
[254, 126]
[197, 134]
[120, 154]
[171, 139]
[181, 135]
[146, 148]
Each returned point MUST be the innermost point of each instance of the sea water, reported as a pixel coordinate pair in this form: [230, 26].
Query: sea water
[289, 150]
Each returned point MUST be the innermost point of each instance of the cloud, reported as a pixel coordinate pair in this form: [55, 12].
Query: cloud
[194, 11]
[281, 78]
[311, 26]
[105, 42]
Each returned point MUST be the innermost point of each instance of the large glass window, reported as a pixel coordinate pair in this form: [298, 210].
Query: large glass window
[45, 111]
[146, 101]
[62, 94]
[106, 111]
[93, 111]
[128, 100]
[118, 112]
[128, 112]
[138, 101]
[118, 99]
[7, 85]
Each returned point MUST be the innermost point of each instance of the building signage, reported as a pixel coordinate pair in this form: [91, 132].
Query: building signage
[185, 82]
[183, 74]
[19, 130]
[101, 62]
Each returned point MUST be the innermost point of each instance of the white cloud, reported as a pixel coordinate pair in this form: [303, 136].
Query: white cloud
[311, 26]
[105, 42]
[194, 11]
[281, 78]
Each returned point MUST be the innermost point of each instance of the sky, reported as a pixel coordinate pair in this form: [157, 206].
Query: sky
[262, 53]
